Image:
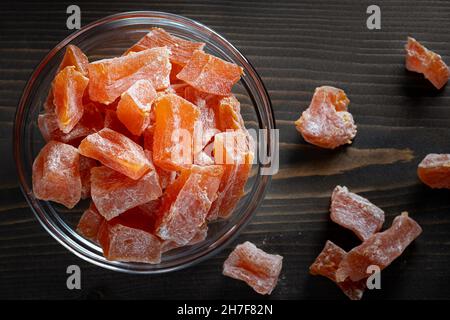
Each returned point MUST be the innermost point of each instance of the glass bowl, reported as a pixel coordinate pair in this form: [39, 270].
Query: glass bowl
[106, 38]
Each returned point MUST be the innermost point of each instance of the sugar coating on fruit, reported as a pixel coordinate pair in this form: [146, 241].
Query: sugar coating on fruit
[434, 171]
[186, 203]
[114, 193]
[68, 90]
[135, 105]
[326, 123]
[233, 150]
[86, 164]
[181, 50]
[56, 174]
[109, 78]
[420, 59]
[175, 120]
[228, 114]
[380, 249]
[327, 263]
[355, 213]
[116, 151]
[199, 237]
[260, 270]
[90, 223]
[210, 74]
[74, 57]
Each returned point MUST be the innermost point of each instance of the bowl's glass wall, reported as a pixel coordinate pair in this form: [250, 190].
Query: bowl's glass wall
[111, 37]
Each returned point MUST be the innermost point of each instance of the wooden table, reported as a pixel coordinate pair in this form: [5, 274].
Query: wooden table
[295, 46]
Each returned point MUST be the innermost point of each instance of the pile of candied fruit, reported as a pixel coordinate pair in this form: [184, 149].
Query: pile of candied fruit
[156, 139]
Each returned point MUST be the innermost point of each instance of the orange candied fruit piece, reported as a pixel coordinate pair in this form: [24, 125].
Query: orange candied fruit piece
[74, 57]
[327, 263]
[210, 74]
[68, 89]
[196, 187]
[379, 250]
[327, 123]
[420, 59]
[199, 237]
[90, 223]
[355, 213]
[175, 120]
[434, 170]
[228, 114]
[86, 164]
[56, 174]
[234, 151]
[112, 77]
[135, 105]
[114, 193]
[112, 122]
[260, 270]
[180, 50]
[116, 151]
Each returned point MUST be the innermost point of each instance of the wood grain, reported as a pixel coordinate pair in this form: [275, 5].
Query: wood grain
[295, 46]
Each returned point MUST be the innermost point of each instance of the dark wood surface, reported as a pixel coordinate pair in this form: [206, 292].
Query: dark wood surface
[295, 46]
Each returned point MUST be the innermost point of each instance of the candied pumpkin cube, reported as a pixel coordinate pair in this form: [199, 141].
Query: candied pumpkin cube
[74, 57]
[228, 114]
[116, 151]
[199, 237]
[434, 170]
[380, 249]
[135, 105]
[210, 74]
[114, 193]
[112, 77]
[90, 223]
[186, 203]
[260, 270]
[355, 213]
[175, 120]
[68, 89]
[56, 174]
[86, 164]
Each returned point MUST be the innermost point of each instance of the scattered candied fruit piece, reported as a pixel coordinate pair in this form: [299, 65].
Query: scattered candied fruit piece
[355, 213]
[434, 170]
[326, 264]
[56, 174]
[326, 123]
[175, 118]
[112, 77]
[257, 268]
[116, 151]
[74, 57]
[90, 223]
[380, 249]
[180, 50]
[186, 203]
[135, 105]
[210, 74]
[68, 89]
[420, 59]
[86, 164]
[234, 151]
[114, 193]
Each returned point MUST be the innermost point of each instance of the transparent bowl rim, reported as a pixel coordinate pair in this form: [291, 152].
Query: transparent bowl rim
[53, 229]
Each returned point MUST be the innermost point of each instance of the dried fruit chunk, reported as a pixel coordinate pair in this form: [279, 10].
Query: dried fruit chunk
[326, 264]
[326, 123]
[234, 151]
[90, 223]
[86, 164]
[74, 57]
[114, 193]
[380, 249]
[186, 202]
[355, 213]
[210, 74]
[122, 239]
[180, 50]
[199, 237]
[56, 174]
[112, 77]
[68, 89]
[434, 170]
[228, 114]
[116, 151]
[112, 122]
[420, 59]
[175, 118]
[257, 268]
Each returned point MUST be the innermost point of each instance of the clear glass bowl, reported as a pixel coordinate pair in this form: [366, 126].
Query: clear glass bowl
[105, 38]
